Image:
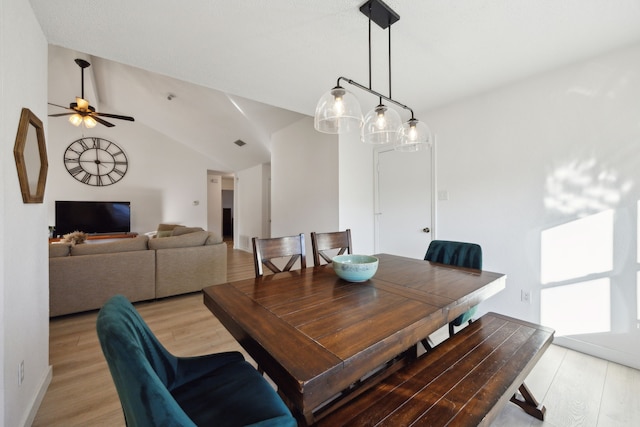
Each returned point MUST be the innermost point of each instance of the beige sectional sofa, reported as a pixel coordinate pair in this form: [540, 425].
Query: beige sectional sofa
[83, 277]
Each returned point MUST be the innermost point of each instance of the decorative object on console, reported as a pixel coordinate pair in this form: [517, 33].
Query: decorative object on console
[75, 237]
[30, 153]
[81, 112]
[95, 161]
[338, 111]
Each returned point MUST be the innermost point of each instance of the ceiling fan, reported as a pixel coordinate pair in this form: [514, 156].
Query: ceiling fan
[81, 113]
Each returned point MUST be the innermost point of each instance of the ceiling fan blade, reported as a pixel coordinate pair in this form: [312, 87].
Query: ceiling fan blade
[102, 122]
[60, 114]
[115, 116]
[61, 106]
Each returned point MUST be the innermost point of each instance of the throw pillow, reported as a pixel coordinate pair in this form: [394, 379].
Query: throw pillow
[187, 240]
[122, 245]
[180, 230]
[165, 230]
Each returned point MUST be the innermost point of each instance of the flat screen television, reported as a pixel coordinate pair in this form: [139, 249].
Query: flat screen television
[92, 217]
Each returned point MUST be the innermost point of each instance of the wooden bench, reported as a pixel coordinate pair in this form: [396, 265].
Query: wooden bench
[465, 381]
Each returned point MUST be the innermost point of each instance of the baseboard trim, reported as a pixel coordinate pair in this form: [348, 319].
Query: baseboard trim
[601, 352]
[39, 397]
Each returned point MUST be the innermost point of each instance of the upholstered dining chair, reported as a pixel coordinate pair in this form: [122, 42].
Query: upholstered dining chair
[265, 250]
[159, 389]
[340, 241]
[460, 254]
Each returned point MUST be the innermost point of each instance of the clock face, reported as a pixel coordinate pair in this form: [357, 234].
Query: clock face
[95, 161]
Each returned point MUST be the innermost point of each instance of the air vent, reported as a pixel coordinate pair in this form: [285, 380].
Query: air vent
[239, 142]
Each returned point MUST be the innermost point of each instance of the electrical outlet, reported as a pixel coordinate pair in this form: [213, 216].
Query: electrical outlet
[21, 372]
[525, 296]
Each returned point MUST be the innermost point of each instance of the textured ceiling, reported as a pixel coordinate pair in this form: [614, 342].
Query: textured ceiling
[287, 53]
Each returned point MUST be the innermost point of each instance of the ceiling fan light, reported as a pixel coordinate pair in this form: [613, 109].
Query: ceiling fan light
[90, 122]
[338, 111]
[83, 104]
[75, 119]
[381, 126]
[413, 136]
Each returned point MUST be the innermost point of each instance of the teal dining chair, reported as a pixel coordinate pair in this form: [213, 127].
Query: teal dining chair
[159, 389]
[460, 254]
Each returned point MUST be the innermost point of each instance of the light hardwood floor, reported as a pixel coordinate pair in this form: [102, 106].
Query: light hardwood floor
[577, 390]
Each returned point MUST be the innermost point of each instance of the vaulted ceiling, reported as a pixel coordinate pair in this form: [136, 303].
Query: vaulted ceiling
[243, 69]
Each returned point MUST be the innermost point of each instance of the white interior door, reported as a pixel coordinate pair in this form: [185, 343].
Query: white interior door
[404, 199]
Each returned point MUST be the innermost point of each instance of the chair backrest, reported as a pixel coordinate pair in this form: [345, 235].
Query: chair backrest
[142, 369]
[321, 242]
[264, 250]
[460, 254]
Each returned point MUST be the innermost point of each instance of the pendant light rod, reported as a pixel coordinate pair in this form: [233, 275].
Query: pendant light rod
[373, 92]
[370, 53]
[82, 64]
[389, 61]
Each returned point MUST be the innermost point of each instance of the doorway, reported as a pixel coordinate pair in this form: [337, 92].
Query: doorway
[227, 214]
[404, 202]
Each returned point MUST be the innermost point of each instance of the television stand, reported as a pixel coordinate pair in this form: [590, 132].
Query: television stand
[101, 236]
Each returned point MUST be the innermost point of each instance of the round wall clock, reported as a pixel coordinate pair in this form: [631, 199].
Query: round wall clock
[95, 161]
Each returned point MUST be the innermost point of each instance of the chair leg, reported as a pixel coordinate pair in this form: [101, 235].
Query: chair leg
[426, 343]
[452, 328]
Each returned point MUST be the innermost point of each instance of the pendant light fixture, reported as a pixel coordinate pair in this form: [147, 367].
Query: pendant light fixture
[338, 111]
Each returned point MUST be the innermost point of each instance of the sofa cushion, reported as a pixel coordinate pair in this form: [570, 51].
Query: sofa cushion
[121, 245]
[213, 239]
[165, 230]
[181, 229]
[186, 240]
[59, 249]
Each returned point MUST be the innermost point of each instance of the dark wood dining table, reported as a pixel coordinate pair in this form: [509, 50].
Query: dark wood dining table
[316, 335]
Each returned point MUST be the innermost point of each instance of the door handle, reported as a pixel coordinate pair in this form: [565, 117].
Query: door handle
[426, 230]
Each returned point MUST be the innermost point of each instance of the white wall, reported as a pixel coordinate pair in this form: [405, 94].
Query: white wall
[250, 206]
[24, 273]
[214, 203]
[526, 164]
[163, 181]
[356, 192]
[304, 181]
[535, 160]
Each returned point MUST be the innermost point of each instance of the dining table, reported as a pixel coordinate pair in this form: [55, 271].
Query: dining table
[323, 340]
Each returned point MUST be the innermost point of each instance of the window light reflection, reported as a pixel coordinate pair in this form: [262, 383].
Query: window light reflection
[578, 248]
[579, 308]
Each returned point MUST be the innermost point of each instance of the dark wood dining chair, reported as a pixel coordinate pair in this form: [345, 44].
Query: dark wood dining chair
[337, 240]
[461, 254]
[265, 250]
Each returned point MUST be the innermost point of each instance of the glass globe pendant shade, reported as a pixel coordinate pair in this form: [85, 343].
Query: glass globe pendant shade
[381, 126]
[338, 111]
[413, 136]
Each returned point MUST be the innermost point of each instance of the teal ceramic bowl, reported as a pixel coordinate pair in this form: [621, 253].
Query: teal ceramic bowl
[355, 268]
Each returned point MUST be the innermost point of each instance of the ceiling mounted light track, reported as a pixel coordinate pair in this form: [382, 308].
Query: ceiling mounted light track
[338, 111]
